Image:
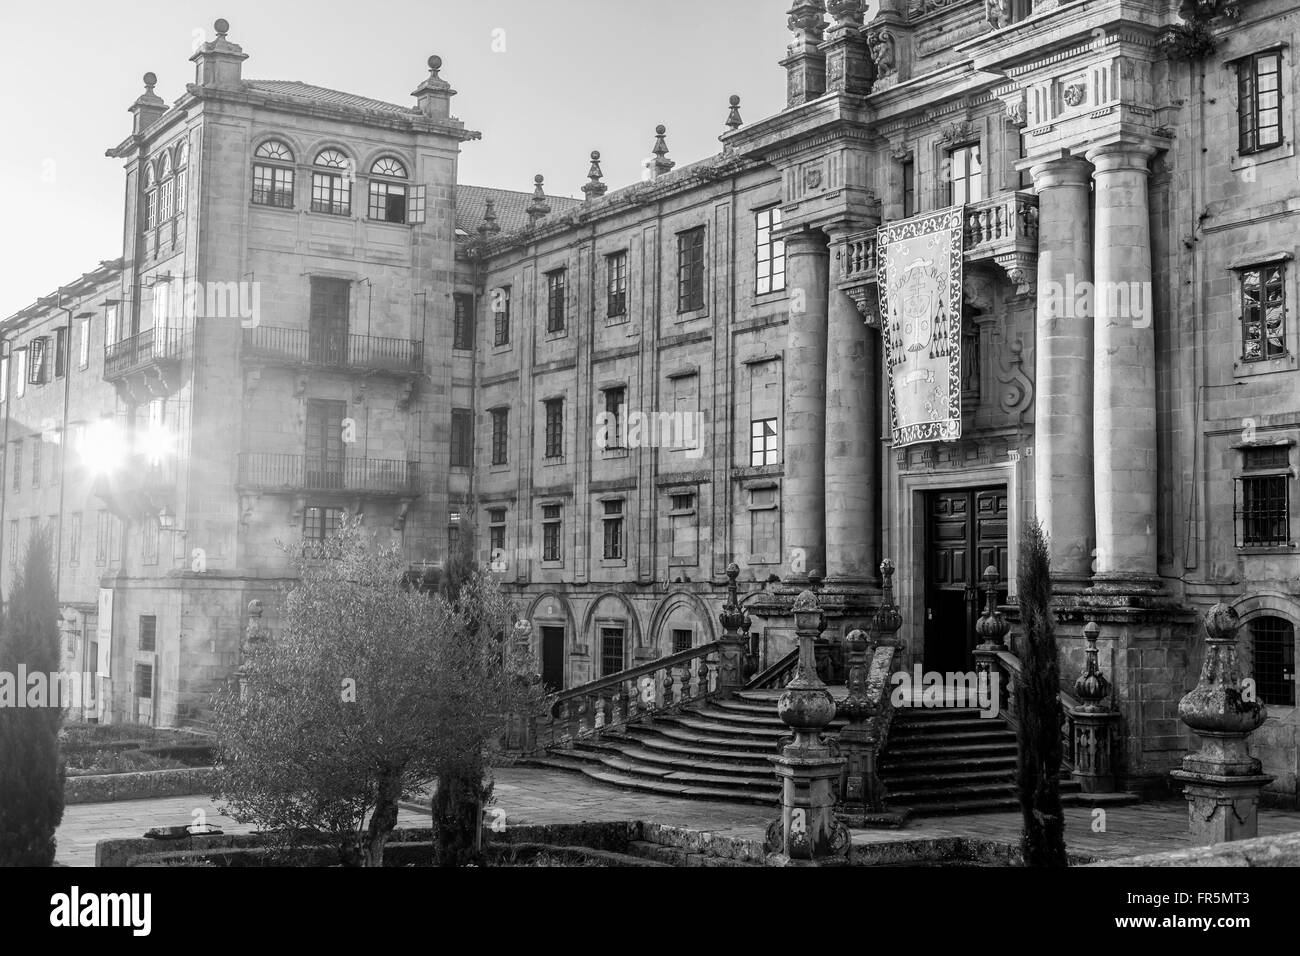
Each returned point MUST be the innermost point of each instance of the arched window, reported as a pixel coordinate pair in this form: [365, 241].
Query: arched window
[1273, 643]
[387, 198]
[167, 189]
[182, 177]
[273, 175]
[331, 192]
[151, 196]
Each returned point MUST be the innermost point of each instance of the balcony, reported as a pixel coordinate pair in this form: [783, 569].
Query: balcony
[151, 351]
[318, 474]
[362, 353]
[1002, 230]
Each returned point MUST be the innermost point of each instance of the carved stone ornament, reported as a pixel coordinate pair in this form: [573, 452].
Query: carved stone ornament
[1074, 94]
[998, 13]
[1015, 108]
[880, 43]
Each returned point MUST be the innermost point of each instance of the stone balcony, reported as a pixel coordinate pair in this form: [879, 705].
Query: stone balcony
[1002, 231]
[304, 348]
[151, 356]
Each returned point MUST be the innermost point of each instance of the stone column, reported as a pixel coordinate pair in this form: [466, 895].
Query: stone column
[1124, 369]
[1063, 466]
[804, 511]
[852, 444]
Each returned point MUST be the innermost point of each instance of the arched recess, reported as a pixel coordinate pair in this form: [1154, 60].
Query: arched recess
[610, 608]
[551, 610]
[679, 610]
[1276, 604]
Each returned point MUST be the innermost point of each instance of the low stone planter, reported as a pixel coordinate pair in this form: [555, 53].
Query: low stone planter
[145, 785]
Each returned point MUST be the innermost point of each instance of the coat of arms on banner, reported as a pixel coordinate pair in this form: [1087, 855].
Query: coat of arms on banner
[920, 282]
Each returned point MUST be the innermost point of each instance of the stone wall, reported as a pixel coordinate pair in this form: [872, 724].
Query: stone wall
[145, 785]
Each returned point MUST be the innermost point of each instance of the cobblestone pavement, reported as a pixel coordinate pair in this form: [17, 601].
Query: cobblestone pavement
[534, 795]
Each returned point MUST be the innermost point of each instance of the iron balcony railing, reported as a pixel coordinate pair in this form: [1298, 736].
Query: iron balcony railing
[150, 347]
[304, 347]
[323, 473]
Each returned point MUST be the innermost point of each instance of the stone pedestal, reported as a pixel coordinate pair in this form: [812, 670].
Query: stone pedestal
[806, 64]
[849, 67]
[1221, 808]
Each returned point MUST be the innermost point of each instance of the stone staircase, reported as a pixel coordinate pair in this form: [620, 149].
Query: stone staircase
[938, 761]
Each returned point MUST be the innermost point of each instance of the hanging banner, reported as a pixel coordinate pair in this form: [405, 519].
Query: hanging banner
[920, 283]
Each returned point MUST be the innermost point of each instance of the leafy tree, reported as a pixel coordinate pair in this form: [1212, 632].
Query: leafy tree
[32, 770]
[1038, 709]
[356, 702]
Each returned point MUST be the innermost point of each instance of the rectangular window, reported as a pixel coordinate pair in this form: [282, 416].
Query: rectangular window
[144, 681]
[556, 290]
[103, 532]
[683, 524]
[690, 271]
[500, 435]
[1273, 648]
[497, 535]
[273, 186]
[764, 443]
[616, 273]
[60, 352]
[331, 194]
[613, 521]
[388, 202]
[1263, 507]
[965, 175]
[18, 465]
[149, 534]
[39, 354]
[615, 400]
[771, 253]
[462, 337]
[907, 169]
[83, 353]
[166, 200]
[37, 442]
[682, 639]
[1263, 312]
[611, 650]
[1259, 101]
[552, 526]
[4, 371]
[501, 315]
[462, 438]
[555, 428]
[320, 524]
[182, 196]
[20, 372]
[74, 538]
[148, 633]
[151, 209]
[764, 526]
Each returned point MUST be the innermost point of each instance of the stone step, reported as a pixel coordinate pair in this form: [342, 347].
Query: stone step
[942, 764]
[917, 781]
[977, 735]
[677, 788]
[948, 792]
[894, 755]
[745, 745]
[635, 768]
[674, 761]
[692, 748]
[953, 725]
[922, 714]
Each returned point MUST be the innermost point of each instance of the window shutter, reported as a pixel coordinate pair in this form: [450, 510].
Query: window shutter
[415, 210]
[36, 362]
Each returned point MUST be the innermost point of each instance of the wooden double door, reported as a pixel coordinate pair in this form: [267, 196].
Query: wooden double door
[966, 532]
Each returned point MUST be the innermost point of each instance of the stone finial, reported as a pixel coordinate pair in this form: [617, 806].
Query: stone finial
[888, 619]
[808, 21]
[846, 13]
[1215, 706]
[661, 164]
[1092, 687]
[733, 617]
[490, 217]
[595, 188]
[150, 81]
[148, 106]
[433, 96]
[992, 624]
[218, 63]
[539, 208]
[806, 601]
[734, 122]
[222, 27]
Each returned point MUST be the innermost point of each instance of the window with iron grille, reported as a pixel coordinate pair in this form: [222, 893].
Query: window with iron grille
[965, 175]
[500, 435]
[1259, 101]
[144, 681]
[331, 192]
[1263, 511]
[1263, 312]
[682, 639]
[556, 287]
[501, 315]
[462, 337]
[615, 400]
[320, 524]
[552, 526]
[1274, 645]
[690, 270]
[616, 272]
[764, 443]
[148, 633]
[611, 650]
[555, 428]
[613, 521]
[770, 252]
[462, 438]
[907, 169]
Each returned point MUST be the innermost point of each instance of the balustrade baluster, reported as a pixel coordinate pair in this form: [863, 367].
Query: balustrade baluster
[702, 677]
[668, 686]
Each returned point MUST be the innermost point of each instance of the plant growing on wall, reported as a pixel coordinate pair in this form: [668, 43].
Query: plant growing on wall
[1193, 39]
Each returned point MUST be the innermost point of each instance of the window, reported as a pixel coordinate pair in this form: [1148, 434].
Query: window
[20, 372]
[144, 681]
[970, 361]
[36, 368]
[771, 253]
[615, 400]
[18, 465]
[453, 539]
[1259, 101]
[555, 428]
[37, 442]
[690, 270]
[1263, 312]
[552, 527]
[764, 526]
[388, 198]
[331, 191]
[74, 538]
[907, 170]
[616, 279]
[149, 534]
[1263, 509]
[965, 175]
[151, 209]
[273, 175]
[320, 524]
[103, 536]
[60, 352]
[13, 542]
[611, 650]
[764, 443]
[683, 525]
[4, 371]
[556, 283]
[182, 197]
[1273, 641]
[613, 521]
[83, 353]
[166, 200]
[497, 535]
[500, 435]
[462, 336]
[682, 639]
[501, 315]
[462, 438]
[148, 633]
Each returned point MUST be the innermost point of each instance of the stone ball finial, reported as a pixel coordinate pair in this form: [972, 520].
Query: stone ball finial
[734, 100]
[806, 601]
[1222, 623]
[595, 155]
[1091, 632]
[435, 64]
[150, 81]
[661, 130]
[222, 26]
[733, 570]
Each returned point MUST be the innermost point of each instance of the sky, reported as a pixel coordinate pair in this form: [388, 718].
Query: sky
[545, 81]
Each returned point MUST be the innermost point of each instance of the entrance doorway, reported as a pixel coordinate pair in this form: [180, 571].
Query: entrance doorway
[966, 532]
[553, 658]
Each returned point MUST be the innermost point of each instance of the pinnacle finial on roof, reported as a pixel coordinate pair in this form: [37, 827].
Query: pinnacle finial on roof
[595, 188]
[734, 122]
[538, 208]
[661, 164]
[490, 217]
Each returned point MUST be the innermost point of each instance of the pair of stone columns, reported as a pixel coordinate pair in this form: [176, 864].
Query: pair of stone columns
[1095, 408]
[831, 441]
